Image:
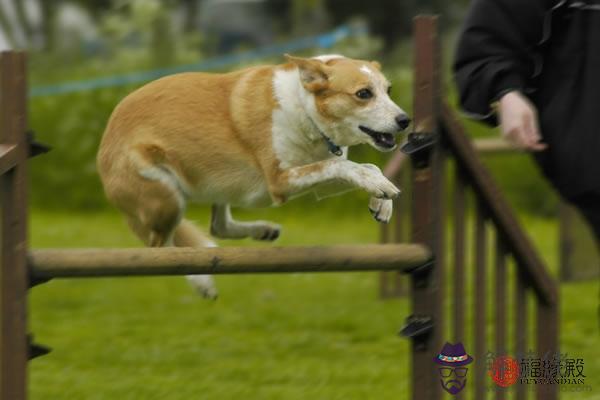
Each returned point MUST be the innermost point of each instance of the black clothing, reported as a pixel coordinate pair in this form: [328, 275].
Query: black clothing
[550, 51]
[589, 206]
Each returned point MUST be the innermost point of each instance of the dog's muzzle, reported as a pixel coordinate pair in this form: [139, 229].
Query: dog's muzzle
[381, 139]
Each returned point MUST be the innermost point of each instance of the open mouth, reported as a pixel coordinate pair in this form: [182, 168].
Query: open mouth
[381, 139]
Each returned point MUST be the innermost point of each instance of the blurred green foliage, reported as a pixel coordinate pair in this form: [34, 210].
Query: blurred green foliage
[72, 124]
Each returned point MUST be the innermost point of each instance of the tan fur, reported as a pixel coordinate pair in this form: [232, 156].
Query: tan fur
[174, 120]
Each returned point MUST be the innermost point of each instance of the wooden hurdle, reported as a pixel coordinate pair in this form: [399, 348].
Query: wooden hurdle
[424, 259]
[21, 268]
[48, 264]
[449, 181]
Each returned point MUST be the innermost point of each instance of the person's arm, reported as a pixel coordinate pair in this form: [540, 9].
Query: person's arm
[494, 61]
[519, 122]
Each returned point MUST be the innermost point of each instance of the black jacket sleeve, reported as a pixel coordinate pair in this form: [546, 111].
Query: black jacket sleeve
[497, 50]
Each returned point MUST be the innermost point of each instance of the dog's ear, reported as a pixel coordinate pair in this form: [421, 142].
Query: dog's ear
[376, 65]
[313, 73]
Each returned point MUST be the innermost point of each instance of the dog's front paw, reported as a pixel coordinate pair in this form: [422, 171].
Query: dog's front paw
[381, 209]
[265, 231]
[378, 185]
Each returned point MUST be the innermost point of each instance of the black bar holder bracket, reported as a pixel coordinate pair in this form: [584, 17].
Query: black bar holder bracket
[419, 145]
[418, 328]
[420, 274]
[34, 281]
[36, 349]
[36, 148]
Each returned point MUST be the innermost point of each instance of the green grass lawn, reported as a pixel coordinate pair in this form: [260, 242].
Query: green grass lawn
[312, 336]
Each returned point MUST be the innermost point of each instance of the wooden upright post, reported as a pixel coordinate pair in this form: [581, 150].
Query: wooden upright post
[13, 267]
[548, 348]
[426, 297]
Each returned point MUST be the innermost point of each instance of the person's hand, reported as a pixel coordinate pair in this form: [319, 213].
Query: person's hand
[519, 122]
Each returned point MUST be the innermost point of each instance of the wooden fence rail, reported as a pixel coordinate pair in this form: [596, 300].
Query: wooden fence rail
[46, 264]
[488, 247]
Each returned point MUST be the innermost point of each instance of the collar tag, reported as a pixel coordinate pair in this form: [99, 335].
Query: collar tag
[332, 147]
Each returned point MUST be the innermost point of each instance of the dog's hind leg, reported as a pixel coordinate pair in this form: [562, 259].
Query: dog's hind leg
[188, 235]
[185, 234]
[225, 227]
[154, 213]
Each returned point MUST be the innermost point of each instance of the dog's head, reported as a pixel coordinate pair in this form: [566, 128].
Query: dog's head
[349, 100]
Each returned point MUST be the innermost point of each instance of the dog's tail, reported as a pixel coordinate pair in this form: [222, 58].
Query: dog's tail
[189, 235]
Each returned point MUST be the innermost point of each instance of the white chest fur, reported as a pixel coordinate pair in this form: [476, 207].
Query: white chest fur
[296, 141]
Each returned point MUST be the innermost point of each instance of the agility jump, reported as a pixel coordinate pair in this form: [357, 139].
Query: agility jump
[439, 137]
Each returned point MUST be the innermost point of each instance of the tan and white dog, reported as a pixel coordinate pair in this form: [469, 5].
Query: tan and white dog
[249, 138]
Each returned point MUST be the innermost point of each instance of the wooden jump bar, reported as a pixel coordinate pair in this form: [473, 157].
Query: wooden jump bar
[56, 263]
[8, 157]
[495, 145]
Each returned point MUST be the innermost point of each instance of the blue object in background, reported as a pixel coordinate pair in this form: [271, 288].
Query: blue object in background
[325, 40]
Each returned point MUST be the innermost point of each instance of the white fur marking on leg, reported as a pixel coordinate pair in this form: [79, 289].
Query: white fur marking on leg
[204, 284]
[167, 178]
[224, 226]
[365, 176]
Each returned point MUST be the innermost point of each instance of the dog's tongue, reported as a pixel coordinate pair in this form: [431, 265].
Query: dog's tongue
[386, 139]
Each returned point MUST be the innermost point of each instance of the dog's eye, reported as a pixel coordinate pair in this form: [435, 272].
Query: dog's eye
[389, 90]
[364, 94]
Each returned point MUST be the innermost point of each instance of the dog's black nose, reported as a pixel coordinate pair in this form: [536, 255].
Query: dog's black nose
[403, 121]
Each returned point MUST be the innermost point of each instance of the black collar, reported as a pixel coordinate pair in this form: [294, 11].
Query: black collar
[331, 146]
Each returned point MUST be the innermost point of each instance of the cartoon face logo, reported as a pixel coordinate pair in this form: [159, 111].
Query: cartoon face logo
[453, 379]
[453, 373]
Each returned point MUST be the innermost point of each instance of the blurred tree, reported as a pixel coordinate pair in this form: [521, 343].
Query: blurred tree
[308, 16]
[389, 19]
[163, 50]
[95, 7]
[280, 13]
[190, 15]
[6, 27]
[48, 10]
[22, 20]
